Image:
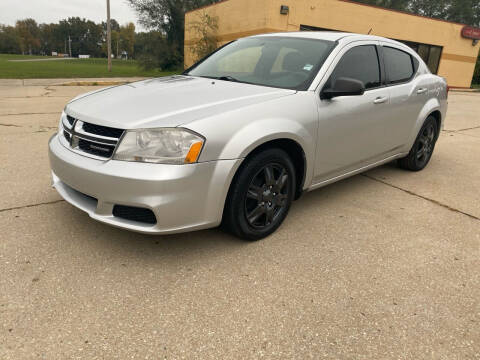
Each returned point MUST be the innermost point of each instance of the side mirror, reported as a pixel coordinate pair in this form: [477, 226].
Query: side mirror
[343, 87]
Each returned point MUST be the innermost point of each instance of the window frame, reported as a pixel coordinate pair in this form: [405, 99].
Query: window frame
[381, 67]
[413, 60]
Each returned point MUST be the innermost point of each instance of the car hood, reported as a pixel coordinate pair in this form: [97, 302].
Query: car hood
[167, 102]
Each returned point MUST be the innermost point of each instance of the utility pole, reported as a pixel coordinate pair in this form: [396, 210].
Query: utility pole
[69, 46]
[109, 38]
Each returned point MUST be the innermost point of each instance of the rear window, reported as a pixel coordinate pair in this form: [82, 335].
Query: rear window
[398, 64]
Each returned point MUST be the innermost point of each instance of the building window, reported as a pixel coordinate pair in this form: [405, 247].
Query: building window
[429, 53]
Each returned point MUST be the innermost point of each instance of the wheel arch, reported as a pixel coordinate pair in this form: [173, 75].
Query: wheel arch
[293, 149]
[431, 108]
[438, 119]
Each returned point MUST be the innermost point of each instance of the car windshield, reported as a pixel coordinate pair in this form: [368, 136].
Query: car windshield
[282, 62]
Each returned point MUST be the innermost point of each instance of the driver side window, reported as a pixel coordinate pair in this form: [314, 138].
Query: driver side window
[359, 63]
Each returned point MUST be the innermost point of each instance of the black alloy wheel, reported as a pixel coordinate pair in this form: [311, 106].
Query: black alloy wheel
[425, 143]
[422, 149]
[260, 195]
[267, 195]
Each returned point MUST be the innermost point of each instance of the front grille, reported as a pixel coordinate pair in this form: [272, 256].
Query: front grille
[102, 130]
[96, 140]
[135, 214]
[96, 149]
[70, 120]
[67, 135]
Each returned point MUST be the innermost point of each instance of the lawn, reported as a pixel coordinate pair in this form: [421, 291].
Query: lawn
[77, 68]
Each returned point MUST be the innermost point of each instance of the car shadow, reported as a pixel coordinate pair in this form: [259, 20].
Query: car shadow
[203, 242]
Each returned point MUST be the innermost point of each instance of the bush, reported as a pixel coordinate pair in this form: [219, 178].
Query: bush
[476, 74]
[154, 52]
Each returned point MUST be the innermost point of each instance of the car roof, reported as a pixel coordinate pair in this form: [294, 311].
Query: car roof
[322, 35]
[344, 37]
[325, 35]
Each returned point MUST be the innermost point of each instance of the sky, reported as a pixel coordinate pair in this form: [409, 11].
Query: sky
[48, 11]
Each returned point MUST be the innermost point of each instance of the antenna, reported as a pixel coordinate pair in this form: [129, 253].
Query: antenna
[369, 31]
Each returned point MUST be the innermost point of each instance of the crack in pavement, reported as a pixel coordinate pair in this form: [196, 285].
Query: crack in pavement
[46, 113]
[42, 127]
[38, 96]
[31, 205]
[422, 197]
[466, 129]
[472, 128]
[49, 90]
[460, 133]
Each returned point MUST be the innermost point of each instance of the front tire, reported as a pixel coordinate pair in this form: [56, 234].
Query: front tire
[423, 147]
[260, 195]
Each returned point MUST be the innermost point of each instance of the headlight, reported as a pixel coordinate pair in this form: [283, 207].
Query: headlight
[161, 146]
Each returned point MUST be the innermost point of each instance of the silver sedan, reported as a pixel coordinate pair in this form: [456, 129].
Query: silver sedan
[241, 134]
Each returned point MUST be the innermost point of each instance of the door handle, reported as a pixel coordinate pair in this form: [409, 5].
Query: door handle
[380, 100]
[422, 91]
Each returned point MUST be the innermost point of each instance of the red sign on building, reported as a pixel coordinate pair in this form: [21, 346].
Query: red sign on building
[471, 32]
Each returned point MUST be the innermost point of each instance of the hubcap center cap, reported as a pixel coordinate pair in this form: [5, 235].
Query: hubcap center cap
[267, 195]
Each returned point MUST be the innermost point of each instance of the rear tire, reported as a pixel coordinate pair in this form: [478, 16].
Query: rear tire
[422, 149]
[260, 195]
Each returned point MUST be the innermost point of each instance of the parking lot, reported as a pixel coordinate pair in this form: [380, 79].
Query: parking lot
[384, 265]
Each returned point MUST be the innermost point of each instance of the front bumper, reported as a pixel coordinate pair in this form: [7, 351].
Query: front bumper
[182, 197]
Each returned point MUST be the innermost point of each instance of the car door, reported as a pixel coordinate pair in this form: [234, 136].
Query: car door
[353, 130]
[408, 93]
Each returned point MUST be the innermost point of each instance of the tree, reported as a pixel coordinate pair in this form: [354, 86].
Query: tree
[205, 28]
[167, 17]
[48, 39]
[437, 9]
[84, 34]
[462, 11]
[476, 74]
[113, 24]
[28, 33]
[391, 4]
[9, 41]
[127, 38]
[153, 51]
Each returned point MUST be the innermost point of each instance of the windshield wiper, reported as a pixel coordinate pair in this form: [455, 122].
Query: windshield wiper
[228, 78]
[224, 77]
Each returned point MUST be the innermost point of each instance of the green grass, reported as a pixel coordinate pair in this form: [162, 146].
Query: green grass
[78, 68]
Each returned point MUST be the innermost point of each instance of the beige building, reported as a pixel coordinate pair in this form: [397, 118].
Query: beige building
[443, 45]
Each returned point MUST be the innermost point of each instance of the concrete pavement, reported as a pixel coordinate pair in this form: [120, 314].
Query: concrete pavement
[384, 265]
